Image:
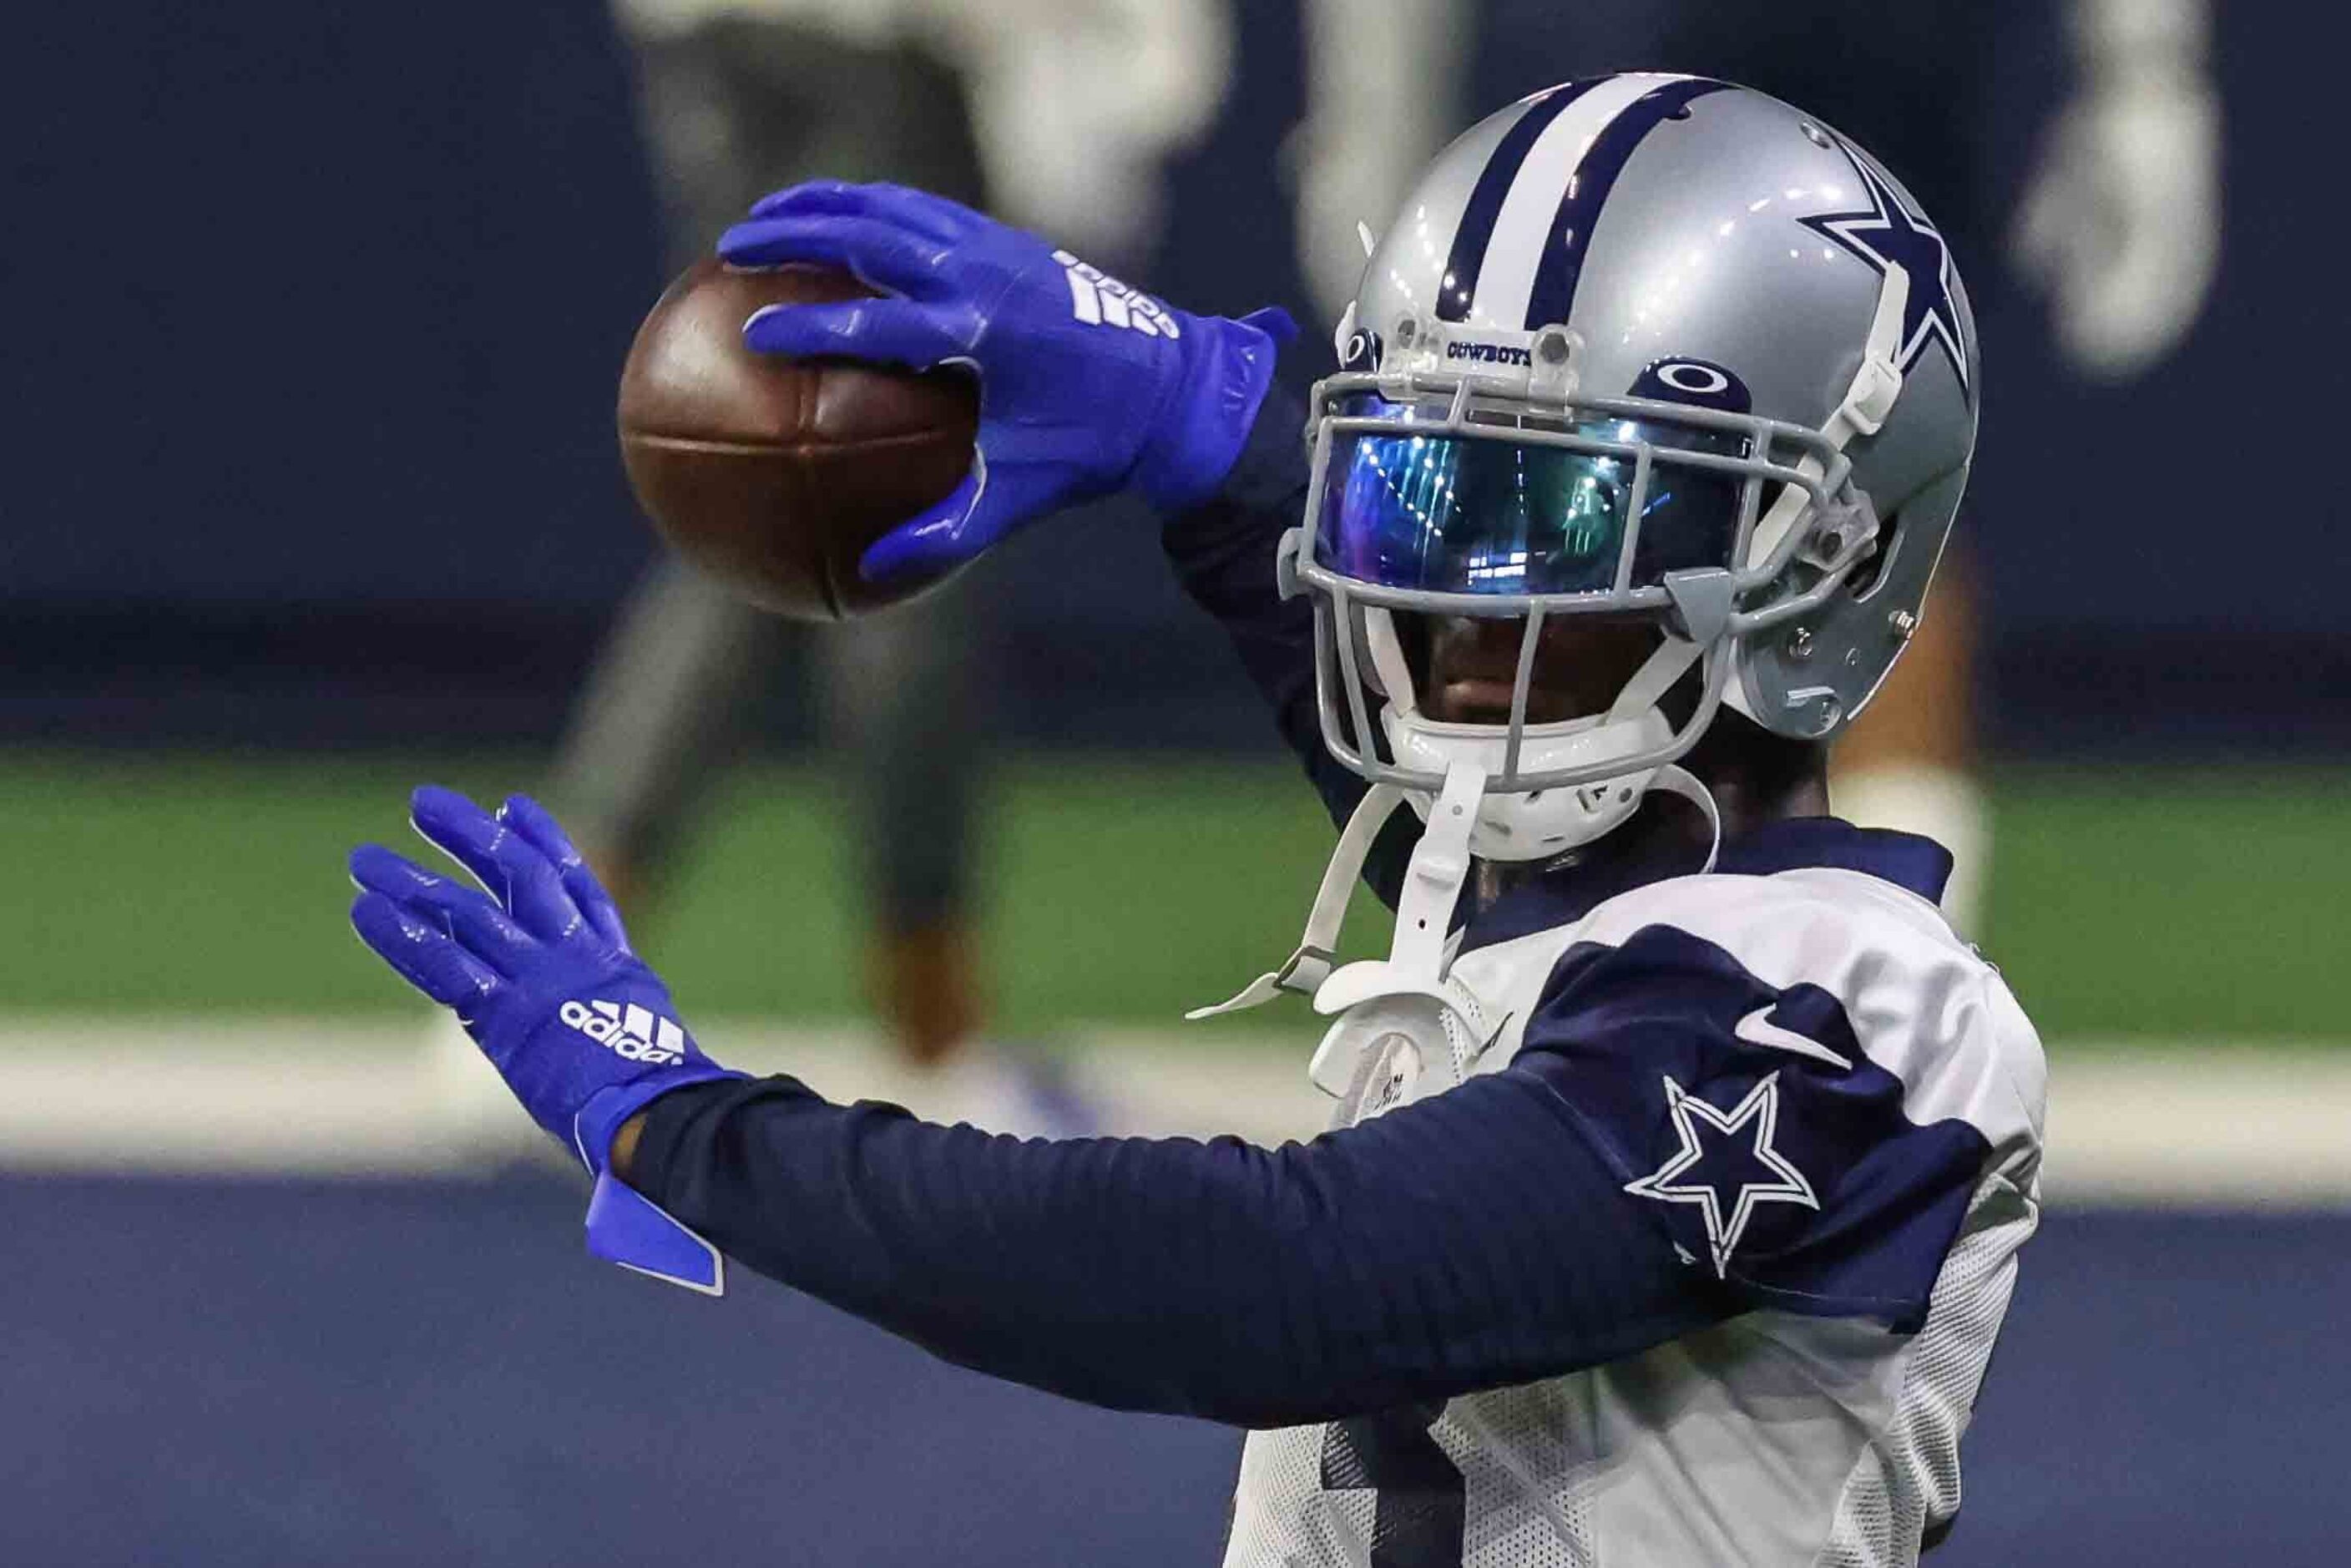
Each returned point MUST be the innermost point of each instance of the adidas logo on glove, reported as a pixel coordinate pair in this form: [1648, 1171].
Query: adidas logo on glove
[635, 1033]
[1099, 299]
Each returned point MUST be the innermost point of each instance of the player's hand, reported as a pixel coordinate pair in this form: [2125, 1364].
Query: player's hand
[1086, 386]
[539, 970]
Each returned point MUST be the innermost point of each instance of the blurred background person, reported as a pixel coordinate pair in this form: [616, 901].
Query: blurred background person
[2119, 222]
[1061, 112]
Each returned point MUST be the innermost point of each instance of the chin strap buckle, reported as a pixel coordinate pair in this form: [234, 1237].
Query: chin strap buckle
[1870, 399]
[1432, 886]
[1869, 402]
[1303, 973]
[1316, 955]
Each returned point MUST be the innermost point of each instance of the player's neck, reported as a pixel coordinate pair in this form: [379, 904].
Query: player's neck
[1748, 799]
[1755, 778]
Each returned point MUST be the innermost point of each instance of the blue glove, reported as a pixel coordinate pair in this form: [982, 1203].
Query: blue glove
[1086, 386]
[541, 975]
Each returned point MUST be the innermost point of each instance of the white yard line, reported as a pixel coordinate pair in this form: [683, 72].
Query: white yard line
[2172, 1126]
[2226, 1127]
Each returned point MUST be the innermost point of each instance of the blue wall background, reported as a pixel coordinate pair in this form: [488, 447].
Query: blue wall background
[315, 313]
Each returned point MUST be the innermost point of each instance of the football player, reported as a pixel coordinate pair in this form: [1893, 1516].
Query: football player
[1682, 1155]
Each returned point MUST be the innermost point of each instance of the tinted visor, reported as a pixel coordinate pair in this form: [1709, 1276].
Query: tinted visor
[1474, 514]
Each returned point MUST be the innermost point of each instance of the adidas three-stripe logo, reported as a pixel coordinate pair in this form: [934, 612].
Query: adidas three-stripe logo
[636, 1033]
[1101, 300]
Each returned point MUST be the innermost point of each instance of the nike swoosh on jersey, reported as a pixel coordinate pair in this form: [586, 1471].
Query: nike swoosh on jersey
[1757, 1028]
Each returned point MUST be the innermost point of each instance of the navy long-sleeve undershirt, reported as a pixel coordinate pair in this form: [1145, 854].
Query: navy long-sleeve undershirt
[1470, 1240]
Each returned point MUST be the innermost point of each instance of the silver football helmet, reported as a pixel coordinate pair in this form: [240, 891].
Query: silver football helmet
[1639, 345]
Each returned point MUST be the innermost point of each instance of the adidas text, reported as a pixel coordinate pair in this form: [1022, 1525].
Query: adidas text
[635, 1033]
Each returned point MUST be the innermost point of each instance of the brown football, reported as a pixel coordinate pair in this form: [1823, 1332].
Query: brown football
[775, 474]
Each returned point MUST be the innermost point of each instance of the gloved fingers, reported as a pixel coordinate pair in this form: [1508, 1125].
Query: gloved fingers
[510, 867]
[812, 196]
[422, 954]
[951, 533]
[916, 210]
[881, 253]
[537, 824]
[377, 869]
[895, 331]
[465, 915]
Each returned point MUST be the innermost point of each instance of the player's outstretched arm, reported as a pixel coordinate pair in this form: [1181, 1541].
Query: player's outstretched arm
[1522, 1225]
[1218, 1280]
[1087, 387]
[1653, 1160]
[1465, 1242]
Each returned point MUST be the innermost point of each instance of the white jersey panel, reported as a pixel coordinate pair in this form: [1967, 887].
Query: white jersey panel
[1927, 1006]
[1778, 1437]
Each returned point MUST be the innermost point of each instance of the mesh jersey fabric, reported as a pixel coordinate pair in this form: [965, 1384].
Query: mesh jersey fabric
[1802, 1435]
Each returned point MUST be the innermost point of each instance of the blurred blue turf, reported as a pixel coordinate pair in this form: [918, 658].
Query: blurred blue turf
[255, 1373]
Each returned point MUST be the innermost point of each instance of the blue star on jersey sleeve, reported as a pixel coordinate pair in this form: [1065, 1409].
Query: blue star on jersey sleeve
[1726, 1164]
[1747, 1120]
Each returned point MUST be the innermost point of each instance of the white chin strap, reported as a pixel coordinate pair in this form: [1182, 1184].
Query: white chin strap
[1465, 823]
[1433, 881]
[1432, 886]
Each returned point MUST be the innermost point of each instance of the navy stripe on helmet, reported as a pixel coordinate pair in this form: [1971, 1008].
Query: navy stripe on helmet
[1554, 295]
[1475, 229]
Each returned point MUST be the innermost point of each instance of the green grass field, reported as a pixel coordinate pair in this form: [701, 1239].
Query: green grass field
[2126, 901]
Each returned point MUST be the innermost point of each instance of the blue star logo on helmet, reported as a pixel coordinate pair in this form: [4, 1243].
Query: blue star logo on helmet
[1891, 235]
